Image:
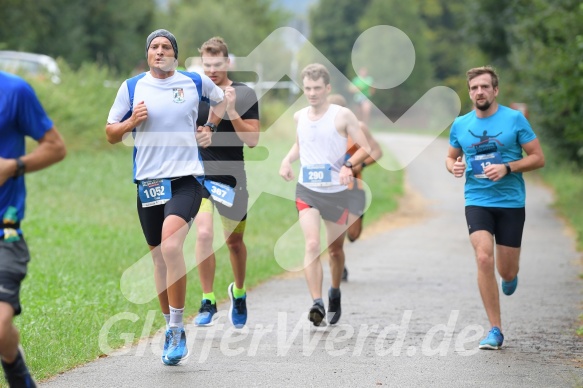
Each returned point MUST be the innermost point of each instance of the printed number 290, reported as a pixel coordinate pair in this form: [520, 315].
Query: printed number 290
[316, 175]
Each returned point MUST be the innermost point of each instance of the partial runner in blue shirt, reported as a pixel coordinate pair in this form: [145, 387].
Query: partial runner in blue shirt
[21, 116]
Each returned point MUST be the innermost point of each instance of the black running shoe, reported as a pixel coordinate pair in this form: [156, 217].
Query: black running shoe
[17, 373]
[334, 310]
[317, 314]
[345, 274]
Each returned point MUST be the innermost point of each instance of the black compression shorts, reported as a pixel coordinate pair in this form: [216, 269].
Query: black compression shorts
[186, 196]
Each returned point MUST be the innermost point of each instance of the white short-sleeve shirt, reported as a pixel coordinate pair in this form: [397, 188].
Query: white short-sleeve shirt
[165, 144]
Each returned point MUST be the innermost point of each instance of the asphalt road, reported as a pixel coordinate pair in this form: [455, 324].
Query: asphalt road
[412, 313]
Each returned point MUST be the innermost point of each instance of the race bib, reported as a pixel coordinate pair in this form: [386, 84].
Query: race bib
[221, 192]
[154, 192]
[317, 175]
[480, 162]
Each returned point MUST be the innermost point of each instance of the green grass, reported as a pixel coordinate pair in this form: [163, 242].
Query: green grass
[566, 180]
[83, 232]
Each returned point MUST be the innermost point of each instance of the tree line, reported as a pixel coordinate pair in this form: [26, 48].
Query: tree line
[536, 45]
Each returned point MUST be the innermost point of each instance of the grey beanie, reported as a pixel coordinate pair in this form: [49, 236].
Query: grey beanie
[166, 34]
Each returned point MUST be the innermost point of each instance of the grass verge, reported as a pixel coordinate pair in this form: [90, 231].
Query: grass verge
[83, 233]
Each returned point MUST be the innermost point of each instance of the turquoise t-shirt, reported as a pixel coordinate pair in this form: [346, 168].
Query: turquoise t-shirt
[492, 140]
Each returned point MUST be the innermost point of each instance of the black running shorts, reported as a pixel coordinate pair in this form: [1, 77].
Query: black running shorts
[187, 194]
[14, 258]
[237, 212]
[505, 224]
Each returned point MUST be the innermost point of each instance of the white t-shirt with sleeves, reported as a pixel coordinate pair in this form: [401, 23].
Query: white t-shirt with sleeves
[165, 144]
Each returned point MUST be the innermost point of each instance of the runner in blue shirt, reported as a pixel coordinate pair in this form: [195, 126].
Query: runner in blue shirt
[21, 115]
[493, 137]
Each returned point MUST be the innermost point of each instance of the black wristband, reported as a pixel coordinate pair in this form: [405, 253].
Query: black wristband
[212, 126]
[508, 169]
[20, 168]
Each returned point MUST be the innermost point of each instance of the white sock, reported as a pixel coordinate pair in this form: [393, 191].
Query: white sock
[166, 318]
[176, 317]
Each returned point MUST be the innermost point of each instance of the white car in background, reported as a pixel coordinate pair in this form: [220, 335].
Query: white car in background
[36, 65]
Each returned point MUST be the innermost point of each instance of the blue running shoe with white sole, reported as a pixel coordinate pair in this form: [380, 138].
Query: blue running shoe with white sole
[175, 350]
[493, 340]
[205, 313]
[508, 288]
[238, 309]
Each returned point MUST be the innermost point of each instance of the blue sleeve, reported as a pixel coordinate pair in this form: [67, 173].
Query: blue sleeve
[524, 130]
[453, 141]
[31, 116]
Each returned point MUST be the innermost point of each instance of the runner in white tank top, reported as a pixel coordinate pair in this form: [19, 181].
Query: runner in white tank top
[322, 131]
[321, 144]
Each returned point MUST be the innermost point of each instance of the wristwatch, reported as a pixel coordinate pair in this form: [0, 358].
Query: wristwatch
[508, 169]
[212, 126]
[348, 164]
[20, 167]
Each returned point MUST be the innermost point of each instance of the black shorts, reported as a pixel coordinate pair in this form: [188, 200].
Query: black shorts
[505, 224]
[356, 200]
[237, 212]
[14, 258]
[186, 196]
[332, 206]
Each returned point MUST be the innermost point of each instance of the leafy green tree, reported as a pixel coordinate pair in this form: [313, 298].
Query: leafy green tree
[445, 21]
[547, 53]
[488, 23]
[242, 23]
[109, 32]
[334, 29]
[404, 16]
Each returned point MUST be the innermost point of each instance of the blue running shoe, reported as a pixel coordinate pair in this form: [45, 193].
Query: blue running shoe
[238, 309]
[205, 313]
[175, 350]
[493, 340]
[508, 288]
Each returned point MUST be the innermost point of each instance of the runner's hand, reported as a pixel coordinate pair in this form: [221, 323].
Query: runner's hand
[286, 172]
[346, 175]
[203, 136]
[459, 168]
[495, 172]
[139, 114]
